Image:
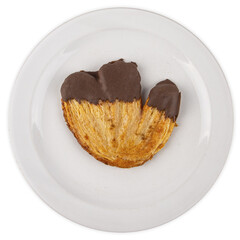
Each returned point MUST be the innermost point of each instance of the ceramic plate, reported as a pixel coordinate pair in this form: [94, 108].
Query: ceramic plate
[85, 190]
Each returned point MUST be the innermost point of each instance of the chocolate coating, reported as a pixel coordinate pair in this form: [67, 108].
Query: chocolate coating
[114, 80]
[120, 80]
[165, 96]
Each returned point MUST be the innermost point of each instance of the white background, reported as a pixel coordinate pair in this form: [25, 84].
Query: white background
[23, 24]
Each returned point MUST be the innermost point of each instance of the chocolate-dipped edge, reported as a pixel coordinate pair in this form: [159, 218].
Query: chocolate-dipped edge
[165, 96]
[114, 80]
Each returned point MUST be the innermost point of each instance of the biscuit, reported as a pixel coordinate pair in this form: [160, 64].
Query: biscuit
[104, 112]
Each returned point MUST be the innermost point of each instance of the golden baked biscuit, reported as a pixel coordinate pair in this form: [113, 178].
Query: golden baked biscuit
[108, 119]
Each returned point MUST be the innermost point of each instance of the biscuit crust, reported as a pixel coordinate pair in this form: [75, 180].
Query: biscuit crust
[121, 134]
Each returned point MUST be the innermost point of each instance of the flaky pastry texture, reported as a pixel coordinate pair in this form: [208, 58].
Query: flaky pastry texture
[122, 134]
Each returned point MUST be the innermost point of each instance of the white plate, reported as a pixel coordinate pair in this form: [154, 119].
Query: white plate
[85, 190]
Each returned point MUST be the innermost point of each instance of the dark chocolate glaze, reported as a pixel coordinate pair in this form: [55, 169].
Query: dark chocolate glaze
[115, 80]
[120, 80]
[165, 96]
